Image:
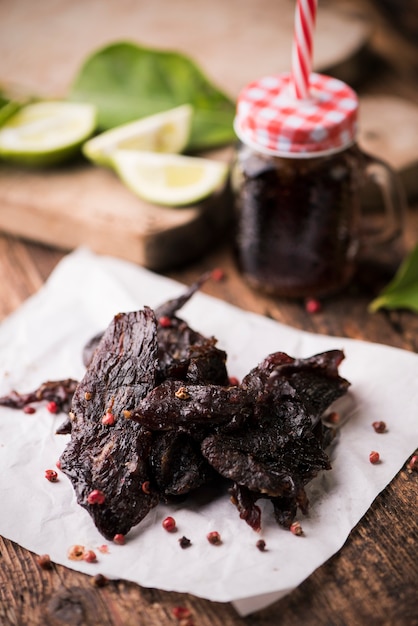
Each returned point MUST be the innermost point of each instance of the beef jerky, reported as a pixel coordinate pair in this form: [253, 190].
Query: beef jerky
[171, 307]
[183, 353]
[187, 426]
[114, 458]
[245, 501]
[58, 391]
[310, 385]
[280, 450]
[187, 355]
[177, 464]
[172, 405]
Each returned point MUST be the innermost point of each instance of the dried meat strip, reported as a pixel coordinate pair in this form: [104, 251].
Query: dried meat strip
[58, 391]
[281, 449]
[177, 464]
[113, 459]
[173, 405]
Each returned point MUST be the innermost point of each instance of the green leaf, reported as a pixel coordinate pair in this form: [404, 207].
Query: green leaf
[127, 82]
[402, 291]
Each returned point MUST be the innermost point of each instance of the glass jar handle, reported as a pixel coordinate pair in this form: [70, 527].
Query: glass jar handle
[393, 196]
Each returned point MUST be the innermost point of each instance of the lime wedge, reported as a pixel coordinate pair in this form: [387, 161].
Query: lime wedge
[169, 179]
[46, 133]
[168, 131]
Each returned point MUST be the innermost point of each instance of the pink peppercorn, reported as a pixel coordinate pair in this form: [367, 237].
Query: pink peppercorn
[217, 274]
[29, 409]
[90, 556]
[233, 381]
[169, 524]
[104, 548]
[119, 539]
[296, 529]
[44, 561]
[181, 612]
[333, 417]
[374, 457]
[96, 497]
[165, 321]
[413, 463]
[214, 538]
[379, 427]
[312, 306]
[146, 487]
[51, 475]
[108, 419]
[99, 580]
[261, 545]
[52, 407]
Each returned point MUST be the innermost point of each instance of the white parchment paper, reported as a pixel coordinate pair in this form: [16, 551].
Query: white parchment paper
[43, 341]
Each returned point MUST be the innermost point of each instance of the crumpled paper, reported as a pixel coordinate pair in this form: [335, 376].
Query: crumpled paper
[43, 341]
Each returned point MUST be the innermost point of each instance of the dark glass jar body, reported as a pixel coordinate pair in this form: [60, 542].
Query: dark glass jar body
[297, 220]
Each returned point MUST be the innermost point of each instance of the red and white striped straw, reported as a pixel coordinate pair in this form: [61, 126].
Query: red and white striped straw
[302, 50]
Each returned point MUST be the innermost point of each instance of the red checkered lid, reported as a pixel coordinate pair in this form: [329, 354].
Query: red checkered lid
[271, 119]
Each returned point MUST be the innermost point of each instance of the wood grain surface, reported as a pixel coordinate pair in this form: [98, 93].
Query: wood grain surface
[372, 580]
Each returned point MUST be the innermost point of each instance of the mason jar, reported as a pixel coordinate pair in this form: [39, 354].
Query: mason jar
[298, 179]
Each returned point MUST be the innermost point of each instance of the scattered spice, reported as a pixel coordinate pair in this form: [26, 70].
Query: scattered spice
[90, 556]
[96, 497]
[146, 487]
[374, 457]
[217, 274]
[233, 381]
[182, 393]
[51, 475]
[52, 406]
[333, 417]
[104, 548]
[181, 612]
[119, 539]
[261, 545]
[108, 419]
[214, 538]
[44, 561]
[312, 306]
[413, 464]
[58, 464]
[379, 427]
[296, 529]
[99, 580]
[184, 542]
[165, 321]
[29, 409]
[76, 553]
[87, 395]
[169, 524]
[127, 414]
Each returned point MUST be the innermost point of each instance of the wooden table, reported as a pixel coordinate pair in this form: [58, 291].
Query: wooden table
[373, 579]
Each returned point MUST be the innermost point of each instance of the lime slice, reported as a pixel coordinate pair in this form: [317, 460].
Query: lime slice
[168, 131]
[169, 179]
[46, 133]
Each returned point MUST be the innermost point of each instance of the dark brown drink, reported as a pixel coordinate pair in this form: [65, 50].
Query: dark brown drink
[298, 220]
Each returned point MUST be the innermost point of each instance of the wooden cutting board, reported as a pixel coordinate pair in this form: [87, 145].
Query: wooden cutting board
[43, 46]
